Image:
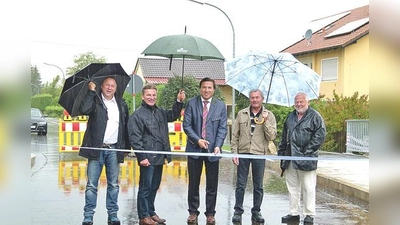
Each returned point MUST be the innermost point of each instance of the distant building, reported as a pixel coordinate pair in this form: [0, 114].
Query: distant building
[158, 71]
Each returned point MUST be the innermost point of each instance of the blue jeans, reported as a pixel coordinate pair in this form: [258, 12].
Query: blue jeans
[149, 182]
[94, 168]
[257, 168]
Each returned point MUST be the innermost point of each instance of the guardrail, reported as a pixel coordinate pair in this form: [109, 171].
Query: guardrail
[357, 138]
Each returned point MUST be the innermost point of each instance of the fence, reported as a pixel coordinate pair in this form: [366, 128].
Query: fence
[357, 138]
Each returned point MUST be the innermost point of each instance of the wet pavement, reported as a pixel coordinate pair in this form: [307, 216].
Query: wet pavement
[58, 182]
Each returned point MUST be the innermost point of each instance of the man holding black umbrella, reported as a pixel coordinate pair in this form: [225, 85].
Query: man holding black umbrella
[106, 130]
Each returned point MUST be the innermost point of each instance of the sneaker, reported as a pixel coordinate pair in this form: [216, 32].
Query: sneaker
[237, 218]
[308, 219]
[257, 217]
[113, 220]
[88, 220]
[289, 218]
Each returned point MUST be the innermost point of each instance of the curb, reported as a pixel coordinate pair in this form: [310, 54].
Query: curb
[331, 183]
[343, 187]
[33, 159]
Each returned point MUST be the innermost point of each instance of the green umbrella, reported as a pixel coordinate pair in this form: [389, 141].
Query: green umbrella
[183, 46]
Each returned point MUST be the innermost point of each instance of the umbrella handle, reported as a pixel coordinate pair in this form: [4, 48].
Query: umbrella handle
[104, 106]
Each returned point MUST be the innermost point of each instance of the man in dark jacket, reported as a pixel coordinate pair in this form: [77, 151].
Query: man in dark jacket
[303, 133]
[148, 130]
[106, 128]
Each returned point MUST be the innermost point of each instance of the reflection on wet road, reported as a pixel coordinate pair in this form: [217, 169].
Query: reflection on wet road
[58, 183]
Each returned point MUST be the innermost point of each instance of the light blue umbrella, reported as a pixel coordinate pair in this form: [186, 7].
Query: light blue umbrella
[280, 76]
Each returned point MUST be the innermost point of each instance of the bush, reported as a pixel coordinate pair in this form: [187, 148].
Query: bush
[54, 111]
[167, 95]
[130, 101]
[41, 101]
[335, 112]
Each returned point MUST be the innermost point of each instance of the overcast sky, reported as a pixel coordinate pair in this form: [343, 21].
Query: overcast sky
[121, 30]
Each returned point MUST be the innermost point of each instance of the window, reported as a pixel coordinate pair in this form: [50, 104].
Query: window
[330, 69]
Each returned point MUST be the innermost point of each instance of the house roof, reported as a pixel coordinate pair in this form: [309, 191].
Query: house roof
[156, 70]
[339, 30]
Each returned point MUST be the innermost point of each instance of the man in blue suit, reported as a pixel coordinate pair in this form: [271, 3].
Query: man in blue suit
[207, 137]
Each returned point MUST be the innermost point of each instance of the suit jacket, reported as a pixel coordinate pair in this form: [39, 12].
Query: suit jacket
[216, 125]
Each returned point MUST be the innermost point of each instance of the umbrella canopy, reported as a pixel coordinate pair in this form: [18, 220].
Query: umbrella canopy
[183, 46]
[280, 76]
[76, 86]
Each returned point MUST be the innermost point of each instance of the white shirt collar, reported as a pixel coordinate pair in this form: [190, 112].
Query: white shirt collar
[104, 99]
[209, 100]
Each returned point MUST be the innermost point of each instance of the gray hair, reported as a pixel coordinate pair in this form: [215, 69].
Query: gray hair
[302, 94]
[256, 90]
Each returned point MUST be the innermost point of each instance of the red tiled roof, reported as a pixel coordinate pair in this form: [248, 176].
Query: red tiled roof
[156, 70]
[319, 42]
[157, 80]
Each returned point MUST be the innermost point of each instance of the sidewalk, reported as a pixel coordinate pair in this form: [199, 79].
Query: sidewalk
[345, 173]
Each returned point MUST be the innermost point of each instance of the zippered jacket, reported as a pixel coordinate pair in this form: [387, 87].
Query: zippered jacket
[302, 139]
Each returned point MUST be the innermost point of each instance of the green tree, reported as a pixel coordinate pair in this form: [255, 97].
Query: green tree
[36, 80]
[82, 60]
[335, 112]
[53, 88]
[168, 94]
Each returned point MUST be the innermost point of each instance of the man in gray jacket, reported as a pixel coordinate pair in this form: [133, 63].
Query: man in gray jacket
[302, 135]
[254, 129]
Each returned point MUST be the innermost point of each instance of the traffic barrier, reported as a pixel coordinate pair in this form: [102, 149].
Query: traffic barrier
[71, 134]
[72, 130]
[177, 138]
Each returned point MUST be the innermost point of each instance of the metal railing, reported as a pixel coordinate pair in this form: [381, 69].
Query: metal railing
[357, 138]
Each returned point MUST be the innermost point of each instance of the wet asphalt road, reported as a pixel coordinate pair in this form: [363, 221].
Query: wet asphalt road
[58, 183]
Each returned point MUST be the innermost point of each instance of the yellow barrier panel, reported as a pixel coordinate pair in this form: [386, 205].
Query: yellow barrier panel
[72, 130]
[70, 134]
[177, 137]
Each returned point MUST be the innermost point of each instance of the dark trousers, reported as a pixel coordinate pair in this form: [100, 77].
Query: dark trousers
[257, 169]
[149, 182]
[195, 168]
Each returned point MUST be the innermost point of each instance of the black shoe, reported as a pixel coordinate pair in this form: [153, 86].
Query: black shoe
[289, 218]
[308, 219]
[113, 220]
[257, 217]
[237, 218]
[88, 220]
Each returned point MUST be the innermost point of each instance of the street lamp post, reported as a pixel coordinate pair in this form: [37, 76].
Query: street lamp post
[233, 51]
[49, 64]
[38, 90]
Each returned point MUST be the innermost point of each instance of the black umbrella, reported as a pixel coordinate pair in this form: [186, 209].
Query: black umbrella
[76, 86]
